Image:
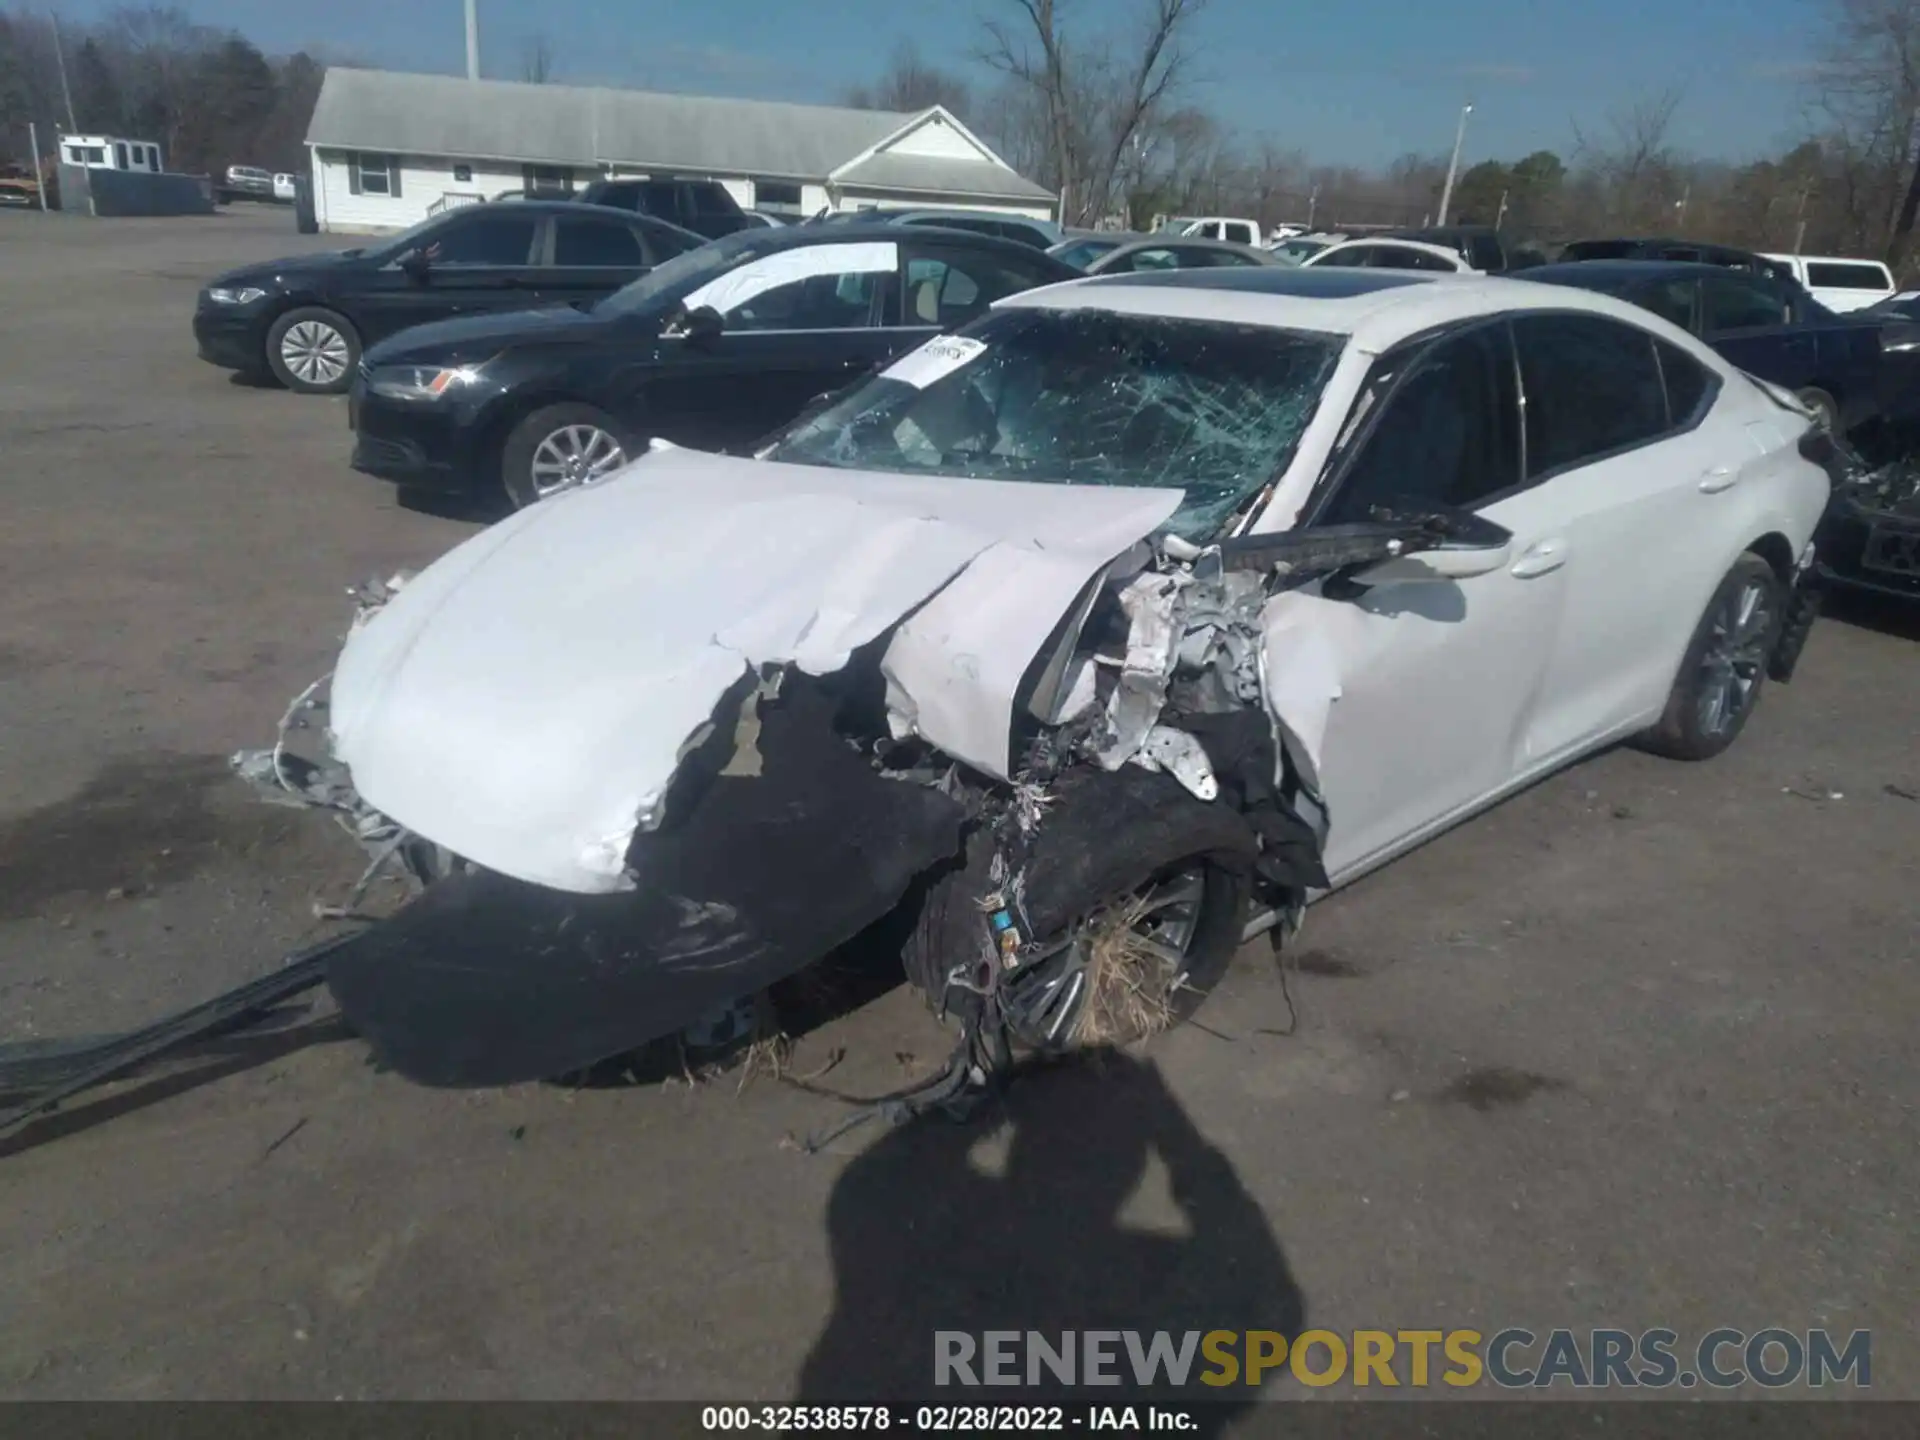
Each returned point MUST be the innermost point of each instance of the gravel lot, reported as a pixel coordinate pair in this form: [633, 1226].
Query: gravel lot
[1635, 1049]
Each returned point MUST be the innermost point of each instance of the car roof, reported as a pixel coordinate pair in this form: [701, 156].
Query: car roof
[1183, 242]
[1622, 271]
[550, 207]
[769, 238]
[1376, 308]
[1829, 259]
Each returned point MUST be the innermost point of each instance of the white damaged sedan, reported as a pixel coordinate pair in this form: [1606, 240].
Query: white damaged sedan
[1077, 645]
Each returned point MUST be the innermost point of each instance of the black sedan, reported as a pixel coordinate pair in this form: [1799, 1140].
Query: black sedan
[1769, 327]
[711, 351]
[305, 319]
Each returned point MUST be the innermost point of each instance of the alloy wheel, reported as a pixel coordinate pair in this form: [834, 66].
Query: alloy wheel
[573, 455]
[315, 351]
[1735, 658]
[1111, 976]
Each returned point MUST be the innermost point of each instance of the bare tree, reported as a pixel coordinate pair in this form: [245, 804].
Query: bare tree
[1631, 161]
[536, 59]
[1869, 91]
[911, 84]
[1095, 95]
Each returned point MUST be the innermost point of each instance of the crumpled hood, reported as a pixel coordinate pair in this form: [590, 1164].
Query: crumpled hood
[526, 699]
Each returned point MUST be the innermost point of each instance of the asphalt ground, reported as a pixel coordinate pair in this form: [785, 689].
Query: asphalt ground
[1635, 1049]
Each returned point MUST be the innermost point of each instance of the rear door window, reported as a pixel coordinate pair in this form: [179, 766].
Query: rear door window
[1404, 257]
[1592, 387]
[948, 290]
[1671, 300]
[1735, 302]
[1450, 431]
[578, 241]
[1347, 256]
[1690, 385]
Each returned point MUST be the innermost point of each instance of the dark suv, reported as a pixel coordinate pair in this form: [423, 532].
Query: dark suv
[702, 206]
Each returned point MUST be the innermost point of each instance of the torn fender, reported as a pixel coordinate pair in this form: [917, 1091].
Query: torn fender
[525, 701]
[486, 980]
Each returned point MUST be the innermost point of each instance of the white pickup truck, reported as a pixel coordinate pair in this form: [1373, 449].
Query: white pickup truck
[1216, 227]
[1840, 282]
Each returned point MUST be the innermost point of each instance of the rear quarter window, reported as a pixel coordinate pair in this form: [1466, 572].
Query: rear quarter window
[1690, 385]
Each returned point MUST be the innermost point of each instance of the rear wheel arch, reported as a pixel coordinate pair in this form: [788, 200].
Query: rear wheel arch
[1777, 551]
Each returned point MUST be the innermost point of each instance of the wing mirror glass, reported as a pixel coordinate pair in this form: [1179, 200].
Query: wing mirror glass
[701, 325]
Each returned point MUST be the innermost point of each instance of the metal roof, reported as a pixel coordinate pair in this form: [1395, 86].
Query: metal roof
[930, 175]
[392, 112]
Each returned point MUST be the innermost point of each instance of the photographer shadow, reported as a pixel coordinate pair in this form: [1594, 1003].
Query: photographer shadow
[924, 1240]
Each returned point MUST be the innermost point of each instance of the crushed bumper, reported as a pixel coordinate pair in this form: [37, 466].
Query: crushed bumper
[486, 980]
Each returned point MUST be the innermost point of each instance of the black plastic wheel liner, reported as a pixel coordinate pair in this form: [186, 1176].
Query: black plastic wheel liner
[486, 980]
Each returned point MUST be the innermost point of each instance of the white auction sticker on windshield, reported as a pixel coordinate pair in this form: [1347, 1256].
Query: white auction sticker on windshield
[939, 357]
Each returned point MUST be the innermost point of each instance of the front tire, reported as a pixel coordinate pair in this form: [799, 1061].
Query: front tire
[313, 351]
[558, 447]
[1139, 901]
[1725, 666]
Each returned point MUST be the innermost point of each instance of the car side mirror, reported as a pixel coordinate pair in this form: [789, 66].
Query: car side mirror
[1399, 542]
[701, 325]
[416, 265]
[1465, 545]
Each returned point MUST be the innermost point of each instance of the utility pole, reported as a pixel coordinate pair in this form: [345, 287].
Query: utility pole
[39, 171]
[1453, 166]
[1313, 204]
[1500, 219]
[60, 61]
[1800, 220]
[1680, 210]
[473, 42]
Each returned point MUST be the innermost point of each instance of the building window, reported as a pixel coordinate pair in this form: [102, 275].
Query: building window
[373, 174]
[776, 195]
[463, 174]
[547, 179]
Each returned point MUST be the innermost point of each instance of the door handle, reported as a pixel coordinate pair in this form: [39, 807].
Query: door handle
[1542, 557]
[1721, 477]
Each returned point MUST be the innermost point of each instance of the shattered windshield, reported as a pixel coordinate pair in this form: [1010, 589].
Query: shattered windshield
[1087, 397]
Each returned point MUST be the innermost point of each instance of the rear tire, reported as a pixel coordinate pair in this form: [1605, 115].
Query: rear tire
[559, 447]
[313, 351]
[1725, 666]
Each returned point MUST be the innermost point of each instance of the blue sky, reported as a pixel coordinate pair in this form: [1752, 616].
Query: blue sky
[1347, 81]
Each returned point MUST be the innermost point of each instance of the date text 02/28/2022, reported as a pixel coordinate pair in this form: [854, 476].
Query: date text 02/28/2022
[940, 1419]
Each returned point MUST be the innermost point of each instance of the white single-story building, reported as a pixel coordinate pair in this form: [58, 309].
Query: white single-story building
[388, 149]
